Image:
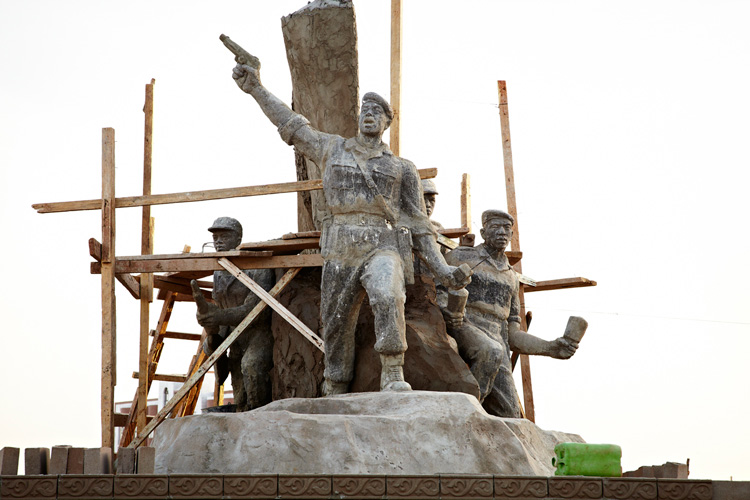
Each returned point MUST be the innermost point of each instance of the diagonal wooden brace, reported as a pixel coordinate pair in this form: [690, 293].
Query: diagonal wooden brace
[198, 375]
[275, 305]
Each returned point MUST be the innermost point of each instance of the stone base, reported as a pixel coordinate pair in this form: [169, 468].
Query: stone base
[389, 433]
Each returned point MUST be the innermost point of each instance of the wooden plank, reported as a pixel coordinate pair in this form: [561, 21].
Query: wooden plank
[156, 266]
[303, 234]
[109, 326]
[130, 283]
[559, 284]
[455, 232]
[178, 335]
[465, 202]
[396, 29]
[446, 242]
[185, 389]
[191, 196]
[515, 242]
[282, 246]
[273, 303]
[154, 354]
[168, 284]
[164, 377]
[122, 418]
[188, 405]
[147, 246]
[210, 255]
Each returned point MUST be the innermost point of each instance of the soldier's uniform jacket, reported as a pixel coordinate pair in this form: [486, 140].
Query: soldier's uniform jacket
[357, 223]
[230, 292]
[493, 291]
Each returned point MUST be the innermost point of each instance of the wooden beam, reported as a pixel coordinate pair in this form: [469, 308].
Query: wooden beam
[183, 288]
[164, 377]
[147, 247]
[185, 389]
[466, 202]
[130, 283]
[272, 302]
[211, 264]
[121, 419]
[210, 255]
[559, 284]
[396, 29]
[178, 335]
[515, 242]
[191, 196]
[109, 327]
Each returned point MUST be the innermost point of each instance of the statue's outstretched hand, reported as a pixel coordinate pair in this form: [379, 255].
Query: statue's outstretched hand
[562, 348]
[207, 314]
[246, 77]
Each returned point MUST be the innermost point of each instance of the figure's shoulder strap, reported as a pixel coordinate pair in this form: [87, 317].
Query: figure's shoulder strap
[362, 164]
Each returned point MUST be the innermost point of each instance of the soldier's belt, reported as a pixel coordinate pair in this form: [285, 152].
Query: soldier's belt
[362, 220]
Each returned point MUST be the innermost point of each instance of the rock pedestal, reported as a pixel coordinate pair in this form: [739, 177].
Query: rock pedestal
[415, 432]
[432, 362]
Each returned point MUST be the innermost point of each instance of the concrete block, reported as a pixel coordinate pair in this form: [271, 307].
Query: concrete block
[75, 461]
[36, 461]
[58, 463]
[125, 463]
[97, 461]
[145, 460]
[731, 490]
[9, 461]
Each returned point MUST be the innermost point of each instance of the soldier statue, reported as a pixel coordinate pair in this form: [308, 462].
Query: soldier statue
[251, 356]
[490, 327]
[375, 214]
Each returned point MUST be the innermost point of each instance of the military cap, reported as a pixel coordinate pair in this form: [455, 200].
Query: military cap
[227, 223]
[496, 214]
[428, 187]
[376, 98]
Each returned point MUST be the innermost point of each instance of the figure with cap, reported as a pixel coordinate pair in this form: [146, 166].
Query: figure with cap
[250, 358]
[375, 214]
[490, 326]
[429, 189]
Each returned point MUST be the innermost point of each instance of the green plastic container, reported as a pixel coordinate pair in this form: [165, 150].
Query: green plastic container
[583, 459]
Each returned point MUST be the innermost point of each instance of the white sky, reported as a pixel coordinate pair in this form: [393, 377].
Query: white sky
[628, 122]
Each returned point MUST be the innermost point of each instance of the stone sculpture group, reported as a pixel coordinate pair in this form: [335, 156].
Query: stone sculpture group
[377, 215]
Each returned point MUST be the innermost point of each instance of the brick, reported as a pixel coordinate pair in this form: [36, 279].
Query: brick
[29, 487]
[413, 487]
[58, 462]
[466, 486]
[145, 460]
[304, 486]
[9, 461]
[75, 461]
[683, 489]
[97, 460]
[36, 461]
[574, 488]
[141, 487]
[520, 487]
[629, 488]
[85, 487]
[358, 487]
[196, 486]
[125, 463]
[237, 486]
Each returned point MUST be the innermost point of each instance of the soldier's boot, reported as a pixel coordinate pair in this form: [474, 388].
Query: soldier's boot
[331, 388]
[392, 374]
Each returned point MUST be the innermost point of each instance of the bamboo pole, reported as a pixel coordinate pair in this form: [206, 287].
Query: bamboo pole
[147, 248]
[515, 242]
[109, 327]
[396, 26]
